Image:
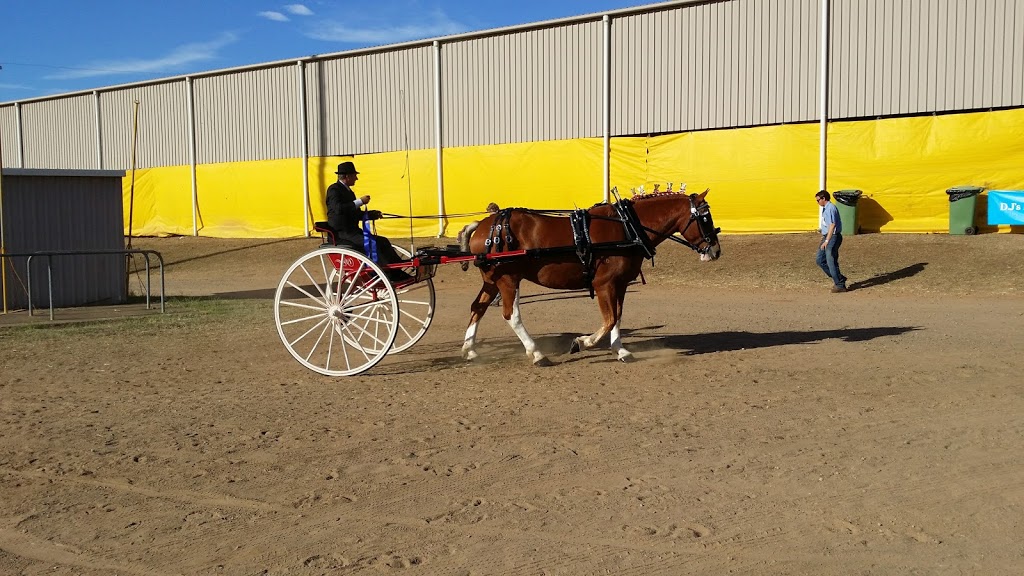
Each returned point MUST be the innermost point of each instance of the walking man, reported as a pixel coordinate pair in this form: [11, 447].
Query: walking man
[831, 228]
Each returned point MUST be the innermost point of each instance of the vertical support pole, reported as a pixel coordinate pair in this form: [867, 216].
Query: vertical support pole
[442, 221]
[3, 241]
[304, 134]
[99, 130]
[21, 137]
[131, 196]
[192, 153]
[606, 112]
[823, 136]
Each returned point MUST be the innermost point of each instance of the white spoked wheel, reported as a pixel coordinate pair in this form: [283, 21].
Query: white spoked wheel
[337, 324]
[416, 309]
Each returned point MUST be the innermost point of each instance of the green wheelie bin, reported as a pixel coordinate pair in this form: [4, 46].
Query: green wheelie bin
[846, 203]
[962, 203]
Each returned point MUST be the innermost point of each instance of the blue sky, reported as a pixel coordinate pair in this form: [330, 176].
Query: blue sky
[53, 47]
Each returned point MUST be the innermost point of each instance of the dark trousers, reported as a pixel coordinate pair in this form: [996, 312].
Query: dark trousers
[828, 260]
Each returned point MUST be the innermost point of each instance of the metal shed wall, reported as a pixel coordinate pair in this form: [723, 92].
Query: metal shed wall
[376, 102]
[892, 57]
[251, 115]
[715, 65]
[9, 136]
[60, 133]
[675, 67]
[163, 126]
[543, 84]
[47, 210]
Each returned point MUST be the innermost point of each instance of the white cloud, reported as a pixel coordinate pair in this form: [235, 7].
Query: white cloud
[298, 10]
[275, 16]
[438, 24]
[172, 62]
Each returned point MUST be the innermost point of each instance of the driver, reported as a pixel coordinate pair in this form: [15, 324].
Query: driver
[345, 216]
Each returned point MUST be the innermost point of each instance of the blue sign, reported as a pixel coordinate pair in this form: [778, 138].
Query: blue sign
[1006, 207]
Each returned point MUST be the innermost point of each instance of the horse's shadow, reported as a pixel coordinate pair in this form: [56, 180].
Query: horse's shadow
[709, 343]
[905, 272]
[556, 346]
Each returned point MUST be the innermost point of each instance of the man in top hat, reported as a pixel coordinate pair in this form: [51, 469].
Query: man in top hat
[345, 216]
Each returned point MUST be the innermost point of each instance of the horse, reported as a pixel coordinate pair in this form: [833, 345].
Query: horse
[551, 258]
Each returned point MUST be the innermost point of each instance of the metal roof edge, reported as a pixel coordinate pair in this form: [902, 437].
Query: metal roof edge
[374, 49]
[63, 173]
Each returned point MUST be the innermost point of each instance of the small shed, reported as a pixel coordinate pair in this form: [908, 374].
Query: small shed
[57, 210]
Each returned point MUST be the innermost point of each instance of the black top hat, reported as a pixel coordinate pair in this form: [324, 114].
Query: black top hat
[346, 168]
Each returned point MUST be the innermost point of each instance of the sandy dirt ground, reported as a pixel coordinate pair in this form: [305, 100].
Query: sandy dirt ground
[768, 426]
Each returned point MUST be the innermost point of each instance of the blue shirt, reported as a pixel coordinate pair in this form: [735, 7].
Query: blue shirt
[830, 215]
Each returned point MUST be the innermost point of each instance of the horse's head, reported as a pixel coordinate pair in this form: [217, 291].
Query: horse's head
[698, 229]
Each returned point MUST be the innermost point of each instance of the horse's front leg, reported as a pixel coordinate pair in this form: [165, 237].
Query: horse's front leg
[477, 309]
[510, 310]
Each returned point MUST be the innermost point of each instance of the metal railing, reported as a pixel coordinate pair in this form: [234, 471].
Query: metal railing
[49, 254]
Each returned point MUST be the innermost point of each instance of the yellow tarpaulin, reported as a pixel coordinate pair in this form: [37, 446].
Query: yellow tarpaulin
[905, 165]
[761, 180]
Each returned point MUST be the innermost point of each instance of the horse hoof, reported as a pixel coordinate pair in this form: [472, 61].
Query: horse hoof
[575, 347]
[627, 358]
[542, 362]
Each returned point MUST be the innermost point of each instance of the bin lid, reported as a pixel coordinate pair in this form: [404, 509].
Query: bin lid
[960, 192]
[847, 197]
[965, 190]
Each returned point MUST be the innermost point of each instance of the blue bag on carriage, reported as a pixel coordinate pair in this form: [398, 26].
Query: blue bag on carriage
[369, 242]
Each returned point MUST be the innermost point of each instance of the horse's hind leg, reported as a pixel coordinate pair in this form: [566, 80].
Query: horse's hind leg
[609, 300]
[510, 310]
[477, 310]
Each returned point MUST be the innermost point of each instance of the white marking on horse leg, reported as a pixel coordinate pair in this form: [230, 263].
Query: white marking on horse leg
[620, 352]
[516, 323]
[587, 342]
[469, 342]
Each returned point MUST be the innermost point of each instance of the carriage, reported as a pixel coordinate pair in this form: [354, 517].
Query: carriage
[338, 314]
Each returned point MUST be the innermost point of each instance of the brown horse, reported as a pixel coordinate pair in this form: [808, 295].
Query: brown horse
[551, 259]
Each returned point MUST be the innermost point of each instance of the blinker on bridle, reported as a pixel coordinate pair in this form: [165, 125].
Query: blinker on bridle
[702, 216]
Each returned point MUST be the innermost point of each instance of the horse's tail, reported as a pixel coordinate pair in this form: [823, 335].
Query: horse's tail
[464, 235]
[467, 232]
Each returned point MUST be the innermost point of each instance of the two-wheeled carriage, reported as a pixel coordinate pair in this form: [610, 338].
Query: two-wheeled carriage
[339, 314]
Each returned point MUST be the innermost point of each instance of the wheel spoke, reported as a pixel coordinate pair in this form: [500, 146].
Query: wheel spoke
[306, 306]
[327, 327]
[306, 333]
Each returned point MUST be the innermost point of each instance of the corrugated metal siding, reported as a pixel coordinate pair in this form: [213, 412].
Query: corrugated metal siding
[370, 103]
[60, 133]
[65, 213]
[892, 57]
[163, 126]
[9, 136]
[543, 84]
[252, 115]
[715, 65]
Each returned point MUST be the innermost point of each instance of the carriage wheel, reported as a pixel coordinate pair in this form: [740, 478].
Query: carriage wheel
[416, 309]
[337, 324]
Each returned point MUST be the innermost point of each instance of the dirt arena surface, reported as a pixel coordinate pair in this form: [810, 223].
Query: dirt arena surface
[768, 426]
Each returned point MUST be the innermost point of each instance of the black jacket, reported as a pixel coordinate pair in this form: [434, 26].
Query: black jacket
[343, 215]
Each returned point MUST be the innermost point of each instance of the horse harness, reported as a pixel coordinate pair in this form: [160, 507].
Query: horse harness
[500, 236]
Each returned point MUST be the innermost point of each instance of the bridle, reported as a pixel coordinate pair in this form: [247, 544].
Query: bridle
[701, 215]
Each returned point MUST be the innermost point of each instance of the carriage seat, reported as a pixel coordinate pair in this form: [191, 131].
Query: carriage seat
[330, 237]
